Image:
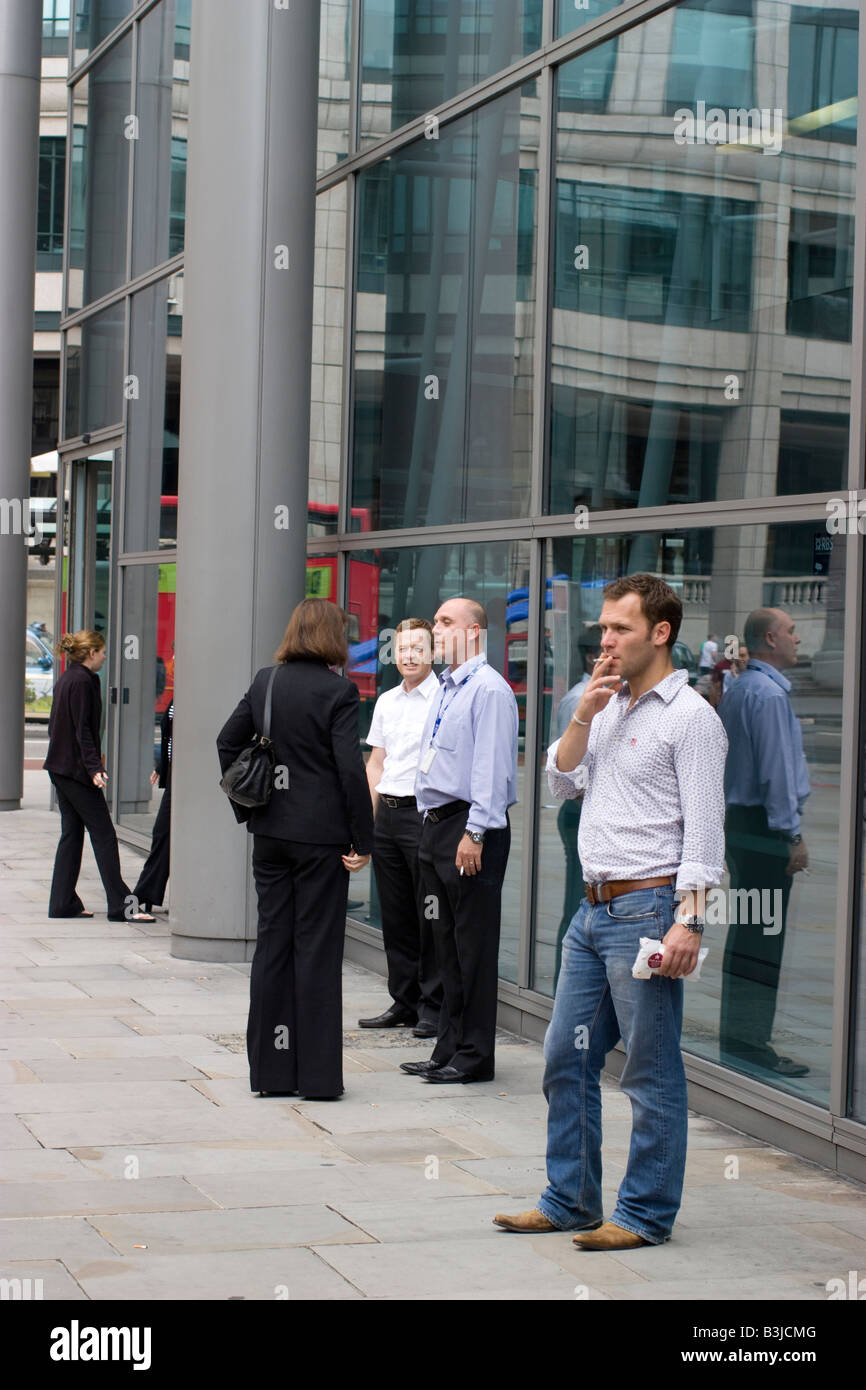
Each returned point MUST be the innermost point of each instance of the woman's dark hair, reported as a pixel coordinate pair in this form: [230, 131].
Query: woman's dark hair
[317, 629]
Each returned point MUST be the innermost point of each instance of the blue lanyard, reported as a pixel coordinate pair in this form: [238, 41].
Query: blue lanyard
[443, 706]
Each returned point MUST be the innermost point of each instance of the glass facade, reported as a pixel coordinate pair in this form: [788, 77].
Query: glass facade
[592, 318]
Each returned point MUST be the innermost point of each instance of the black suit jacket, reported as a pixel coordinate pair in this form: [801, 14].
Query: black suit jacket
[314, 728]
[74, 743]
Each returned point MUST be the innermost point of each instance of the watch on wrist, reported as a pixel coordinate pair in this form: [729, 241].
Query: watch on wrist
[476, 836]
[795, 839]
[693, 924]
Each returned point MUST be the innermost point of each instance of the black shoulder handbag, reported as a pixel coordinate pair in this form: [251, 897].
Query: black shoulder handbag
[250, 779]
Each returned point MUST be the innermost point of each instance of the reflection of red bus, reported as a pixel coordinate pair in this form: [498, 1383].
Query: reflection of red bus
[363, 600]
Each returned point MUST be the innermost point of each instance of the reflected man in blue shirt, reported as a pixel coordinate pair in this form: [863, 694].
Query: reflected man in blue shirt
[466, 781]
[766, 786]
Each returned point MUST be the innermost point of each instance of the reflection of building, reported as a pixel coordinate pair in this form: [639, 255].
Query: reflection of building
[528, 298]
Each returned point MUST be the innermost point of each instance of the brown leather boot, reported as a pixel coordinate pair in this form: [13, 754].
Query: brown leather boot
[609, 1237]
[534, 1221]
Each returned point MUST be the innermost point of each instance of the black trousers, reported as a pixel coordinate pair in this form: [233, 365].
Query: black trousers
[84, 808]
[153, 878]
[413, 976]
[753, 960]
[466, 935]
[295, 1026]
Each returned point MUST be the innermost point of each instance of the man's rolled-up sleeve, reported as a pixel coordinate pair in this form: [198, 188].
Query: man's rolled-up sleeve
[567, 786]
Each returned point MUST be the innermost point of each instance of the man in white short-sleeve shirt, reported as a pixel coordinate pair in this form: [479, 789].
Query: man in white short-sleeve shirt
[395, 738]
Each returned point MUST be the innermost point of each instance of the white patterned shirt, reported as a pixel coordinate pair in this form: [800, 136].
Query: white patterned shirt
[654, 778]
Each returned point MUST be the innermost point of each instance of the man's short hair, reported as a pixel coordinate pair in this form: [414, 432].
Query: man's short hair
[410, 624]
[659, 603]
[757, 625]
[477, 613]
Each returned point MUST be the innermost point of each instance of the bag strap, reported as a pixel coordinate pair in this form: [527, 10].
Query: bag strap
[266, 733]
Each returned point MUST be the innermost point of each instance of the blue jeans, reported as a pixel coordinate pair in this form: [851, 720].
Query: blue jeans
[597, 1003]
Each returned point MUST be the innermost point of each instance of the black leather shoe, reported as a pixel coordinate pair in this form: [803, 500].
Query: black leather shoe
[278, 1093]
[421, 1068]
[425, 1030]
[391, 1018]
[453, 1075]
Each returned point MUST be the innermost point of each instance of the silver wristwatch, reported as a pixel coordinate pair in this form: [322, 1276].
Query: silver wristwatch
[693, 924]
[476, 836]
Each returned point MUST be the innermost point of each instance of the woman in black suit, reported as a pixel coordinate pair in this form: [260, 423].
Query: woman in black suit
[317, 826]
[74, 764]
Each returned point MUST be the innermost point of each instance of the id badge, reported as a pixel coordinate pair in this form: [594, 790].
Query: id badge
[427, 761]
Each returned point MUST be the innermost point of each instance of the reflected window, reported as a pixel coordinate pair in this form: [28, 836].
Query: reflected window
[99, 177]
[162, 83]
[712, 54]
[153, 417]
[416, 54]
[444, 324]
[820, 275]
[49, 216]
[822, 77]
[692, 247]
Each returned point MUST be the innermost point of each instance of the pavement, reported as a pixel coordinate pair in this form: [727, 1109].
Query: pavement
[135, 1163]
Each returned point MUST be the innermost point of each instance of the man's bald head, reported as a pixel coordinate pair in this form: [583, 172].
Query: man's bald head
[459, 630]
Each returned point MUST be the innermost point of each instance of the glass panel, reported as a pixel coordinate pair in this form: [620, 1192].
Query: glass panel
[99, 177]
[417, 54]
[335, 37]
[326, 387]
[573, 14]
[55, 28]
[385, 586]
[767, 984]
[702, 284]
[159, 182]
[94, 371]
[444, 336]
[94, 21]
[146, 688]
[153, 417]
[49, 218]
[822, 76]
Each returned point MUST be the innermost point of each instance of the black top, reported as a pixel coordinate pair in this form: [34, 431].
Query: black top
[166, 727]
[74, 746]
[314, 728]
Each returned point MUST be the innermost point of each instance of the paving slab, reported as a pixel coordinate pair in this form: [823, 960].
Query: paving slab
[99, 1194]
[71, 1129]
[243, 1156]
[58, 1098]
[242, 1228]
[57, 1284]
[394, 1271]
[269, 1275]
[336, 1185]
[68, 1238]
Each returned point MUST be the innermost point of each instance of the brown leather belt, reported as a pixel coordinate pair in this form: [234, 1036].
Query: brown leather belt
[603, 892]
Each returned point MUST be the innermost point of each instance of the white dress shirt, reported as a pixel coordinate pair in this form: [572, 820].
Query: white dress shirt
[654, 774]
[398, 721]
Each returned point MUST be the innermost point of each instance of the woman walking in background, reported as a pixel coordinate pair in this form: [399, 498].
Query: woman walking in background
[317, 826]
[75, 765]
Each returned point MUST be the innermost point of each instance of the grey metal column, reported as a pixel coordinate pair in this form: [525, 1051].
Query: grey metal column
[248, 291]
[20, 63]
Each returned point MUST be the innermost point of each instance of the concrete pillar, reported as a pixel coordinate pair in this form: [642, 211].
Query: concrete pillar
[245, 403]
[20, 63]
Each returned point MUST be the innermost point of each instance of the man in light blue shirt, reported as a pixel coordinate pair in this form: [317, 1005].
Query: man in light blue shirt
[766, 786]
[466, 781]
